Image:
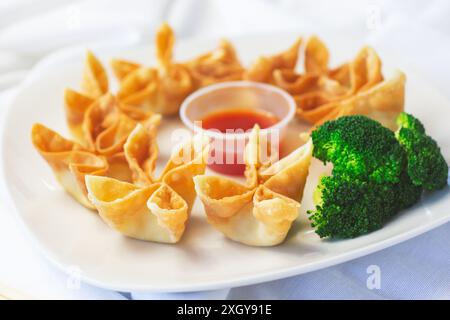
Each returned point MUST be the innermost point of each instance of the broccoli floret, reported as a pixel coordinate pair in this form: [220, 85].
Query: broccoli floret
[406, 192]
[351, 208]
[426, 165]
[359, 148]
[405, 120]
[369, 182]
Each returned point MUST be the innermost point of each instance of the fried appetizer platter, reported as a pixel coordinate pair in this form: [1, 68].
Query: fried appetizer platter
[261, 212]
[110, 163]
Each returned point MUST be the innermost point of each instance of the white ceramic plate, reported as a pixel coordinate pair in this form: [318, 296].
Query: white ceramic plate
[72, 236]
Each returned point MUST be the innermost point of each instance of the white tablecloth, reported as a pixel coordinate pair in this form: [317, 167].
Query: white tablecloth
[418, 30]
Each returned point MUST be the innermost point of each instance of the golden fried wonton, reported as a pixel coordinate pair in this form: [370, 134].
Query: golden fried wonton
[69, 162]
[160, 89]
[94, 84]
[122, 68]
[382, 102]
[107, 125]
[316, 56]
[95, 79]
[95, 113]
[152, 209]
[323, 94]
[221, 64]
[261, 212]
[262, 70]
[100, 125]
[321, 85]
[151, 213]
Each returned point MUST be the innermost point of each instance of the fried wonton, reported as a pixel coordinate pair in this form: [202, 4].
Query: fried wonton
[221, 64]
[151, 213]
[94, 84]
[260, 212]
[361, 73]
[316, 56]
[152, 209]
[122, 68]
[96, 119]
[262, 70]
[107, 125]
[69, 162]
[323, 94]
[382, 102]
[160, 89]
[95, 79]
[318, 83]
[100, 125]
[321, 85]
[186, 161]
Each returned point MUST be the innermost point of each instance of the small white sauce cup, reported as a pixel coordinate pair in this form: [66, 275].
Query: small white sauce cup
[236, 94]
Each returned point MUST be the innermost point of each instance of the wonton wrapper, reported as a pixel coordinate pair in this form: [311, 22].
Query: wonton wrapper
[358, 75]
[122, 68]
[316, 56]
[95, 79]
[320, 86]
[160, 89]
[318, 83]
[118, 167]
[219, 65]
[76, 105]
[107, 124]
[152, 209]
[94, 84]
[261, 212]
[152, 213]
[100, 125]
[383, 102]
[262, 70]
[69, 162]
[186, 162]
[96, 119]
[322, 94]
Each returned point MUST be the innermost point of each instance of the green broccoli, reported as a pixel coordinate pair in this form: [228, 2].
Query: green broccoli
[405, 120]
[360, 148]
[426, 165]
[351, 208]
[369, 182]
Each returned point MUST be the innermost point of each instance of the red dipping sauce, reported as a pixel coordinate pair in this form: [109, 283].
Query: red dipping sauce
[234, 119]
[238, 118]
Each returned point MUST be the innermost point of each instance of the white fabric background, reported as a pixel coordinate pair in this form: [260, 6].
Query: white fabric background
[418, 30]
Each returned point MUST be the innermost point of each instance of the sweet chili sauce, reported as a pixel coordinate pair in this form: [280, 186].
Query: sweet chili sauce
[235, 119]
[238, 118]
